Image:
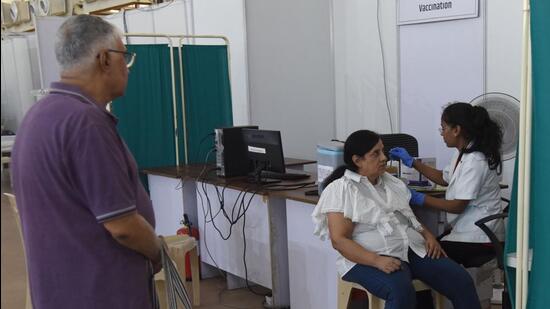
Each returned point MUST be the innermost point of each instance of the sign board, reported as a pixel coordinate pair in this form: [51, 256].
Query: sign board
[424, 11]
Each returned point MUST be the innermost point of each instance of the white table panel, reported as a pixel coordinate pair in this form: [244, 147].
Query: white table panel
[312, 262]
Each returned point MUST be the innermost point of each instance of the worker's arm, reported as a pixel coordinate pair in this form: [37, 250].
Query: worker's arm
[435, 175]
[341, 229]
[134, 232]
[431, 173]
[452, 206]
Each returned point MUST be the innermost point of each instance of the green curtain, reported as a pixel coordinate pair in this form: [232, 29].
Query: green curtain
[539, 233]
[145, 112]
[207, 97]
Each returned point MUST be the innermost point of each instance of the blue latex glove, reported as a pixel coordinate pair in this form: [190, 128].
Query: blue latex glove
[417, 198]
[399, 153]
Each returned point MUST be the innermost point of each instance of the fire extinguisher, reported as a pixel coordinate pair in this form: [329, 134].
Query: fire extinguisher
[189, 229]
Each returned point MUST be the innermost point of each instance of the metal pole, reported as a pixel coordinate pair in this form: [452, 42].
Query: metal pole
[524, 158]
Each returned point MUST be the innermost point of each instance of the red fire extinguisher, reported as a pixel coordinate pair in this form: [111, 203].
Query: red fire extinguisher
[189, 229]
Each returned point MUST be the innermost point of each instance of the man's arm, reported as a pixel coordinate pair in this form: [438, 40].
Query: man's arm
[134, 232]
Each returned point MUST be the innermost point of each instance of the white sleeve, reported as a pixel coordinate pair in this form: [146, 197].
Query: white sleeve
[470, 180]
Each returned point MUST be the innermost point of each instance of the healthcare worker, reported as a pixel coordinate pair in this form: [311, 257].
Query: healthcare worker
[473, 190]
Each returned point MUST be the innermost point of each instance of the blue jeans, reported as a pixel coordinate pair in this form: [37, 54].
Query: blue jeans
[443, 275]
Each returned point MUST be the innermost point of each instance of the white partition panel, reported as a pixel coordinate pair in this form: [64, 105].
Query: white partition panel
[174, 18]
[365, 66]
[440, 62]
[19, 77]
[291, 71]
[133, 21]
[504, 43]
[46, 29]
[223, 17]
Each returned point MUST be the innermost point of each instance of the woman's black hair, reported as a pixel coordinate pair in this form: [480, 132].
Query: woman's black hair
[478, 128]
[358, 143]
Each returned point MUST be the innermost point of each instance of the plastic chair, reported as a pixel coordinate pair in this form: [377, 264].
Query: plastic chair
[344, 291]
[178, 246]
[13, 205]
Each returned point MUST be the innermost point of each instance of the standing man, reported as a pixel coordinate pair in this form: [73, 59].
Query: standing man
[88, 223]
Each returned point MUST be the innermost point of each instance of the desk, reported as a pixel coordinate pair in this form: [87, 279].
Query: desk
[175, 190]
[282, 252]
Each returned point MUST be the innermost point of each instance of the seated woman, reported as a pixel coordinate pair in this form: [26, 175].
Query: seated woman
[365, 212]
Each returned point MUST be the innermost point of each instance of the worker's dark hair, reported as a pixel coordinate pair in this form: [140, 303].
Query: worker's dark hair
[358, 143]
[477, 128]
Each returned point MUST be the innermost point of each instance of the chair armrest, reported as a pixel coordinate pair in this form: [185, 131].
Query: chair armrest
[497, 244]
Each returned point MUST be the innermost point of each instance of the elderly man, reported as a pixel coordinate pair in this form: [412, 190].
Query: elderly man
[87, 220]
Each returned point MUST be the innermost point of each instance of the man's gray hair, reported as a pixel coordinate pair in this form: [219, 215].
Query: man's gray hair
[81, 37]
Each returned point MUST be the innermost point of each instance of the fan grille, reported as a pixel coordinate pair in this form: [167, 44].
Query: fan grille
[504, 110]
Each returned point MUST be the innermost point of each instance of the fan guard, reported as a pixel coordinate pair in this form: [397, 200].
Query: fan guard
[504, 110]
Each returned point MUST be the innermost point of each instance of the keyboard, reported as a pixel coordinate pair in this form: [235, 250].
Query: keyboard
[283, 176]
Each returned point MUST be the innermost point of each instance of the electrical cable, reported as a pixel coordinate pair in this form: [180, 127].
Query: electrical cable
[197, 152]
[205, 217]
[383, 64]
[244, 204]
[244, 251]
[125, 25]
[238, 211]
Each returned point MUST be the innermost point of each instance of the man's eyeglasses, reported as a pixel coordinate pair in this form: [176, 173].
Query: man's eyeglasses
[129, 57]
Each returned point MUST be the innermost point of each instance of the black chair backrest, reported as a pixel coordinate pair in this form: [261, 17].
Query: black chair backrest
[406, 141]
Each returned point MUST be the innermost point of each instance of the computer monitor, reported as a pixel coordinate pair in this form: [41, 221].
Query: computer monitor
[264, 150]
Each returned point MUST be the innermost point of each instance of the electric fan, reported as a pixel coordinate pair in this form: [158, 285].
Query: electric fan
[504, 110]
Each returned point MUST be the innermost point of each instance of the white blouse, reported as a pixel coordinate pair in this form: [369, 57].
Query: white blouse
[384, 221]
[473, 180]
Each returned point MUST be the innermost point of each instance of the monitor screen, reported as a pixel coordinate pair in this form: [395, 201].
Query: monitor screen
[264, 150]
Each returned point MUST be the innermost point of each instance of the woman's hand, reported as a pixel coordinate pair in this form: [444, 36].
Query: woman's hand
[433, 247]
[387, 264]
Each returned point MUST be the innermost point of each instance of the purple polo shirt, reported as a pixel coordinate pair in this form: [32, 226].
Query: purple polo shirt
[71, 172]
